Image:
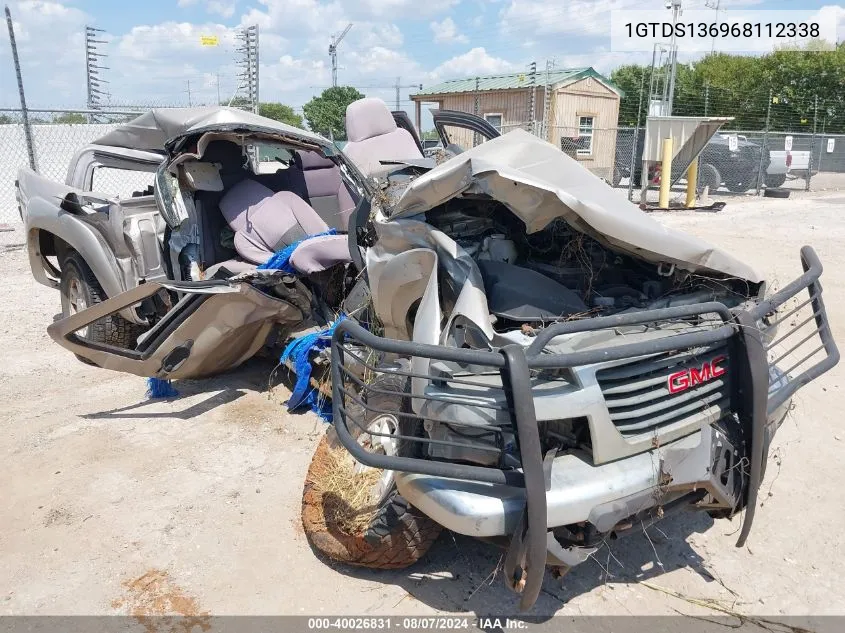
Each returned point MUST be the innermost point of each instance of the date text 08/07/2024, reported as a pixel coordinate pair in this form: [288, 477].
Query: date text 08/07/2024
[785, 30]
[415, 623]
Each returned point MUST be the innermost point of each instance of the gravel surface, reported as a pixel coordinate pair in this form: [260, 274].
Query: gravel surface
[118, 505]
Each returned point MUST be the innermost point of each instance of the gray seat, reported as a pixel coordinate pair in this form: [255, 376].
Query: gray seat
[264, 221]
[327, 193]
[373, 136]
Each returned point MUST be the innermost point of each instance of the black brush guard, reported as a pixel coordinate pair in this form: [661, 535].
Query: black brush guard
[744, 332]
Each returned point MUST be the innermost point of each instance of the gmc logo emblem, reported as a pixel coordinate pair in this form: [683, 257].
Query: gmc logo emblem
[689, 378]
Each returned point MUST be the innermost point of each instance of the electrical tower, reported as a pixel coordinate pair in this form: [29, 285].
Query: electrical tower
[93, 55]
[664, 66]
[248, 62]
[333, 52]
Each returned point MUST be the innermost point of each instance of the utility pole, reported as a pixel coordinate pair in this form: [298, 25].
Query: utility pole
[812, 144]
[635, 144]
[333, 52]
[93, 67]
[189, 93]
[547, 98]
[532, 73]
[673, 54]
[713, 4]
[764, 150]
[397, 87]
[27, 130]
[218, 87]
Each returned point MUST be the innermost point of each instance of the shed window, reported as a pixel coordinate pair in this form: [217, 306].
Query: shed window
[495, 120]
[585, 135]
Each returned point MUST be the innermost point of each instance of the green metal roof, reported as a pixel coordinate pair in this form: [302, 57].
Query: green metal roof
[511, 81]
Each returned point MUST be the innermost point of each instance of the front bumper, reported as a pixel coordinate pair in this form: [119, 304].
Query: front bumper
[527, 500]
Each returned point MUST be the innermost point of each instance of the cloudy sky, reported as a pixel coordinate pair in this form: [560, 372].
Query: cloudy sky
[155, 55]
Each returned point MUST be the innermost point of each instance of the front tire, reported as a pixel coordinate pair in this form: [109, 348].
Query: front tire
[709, 176]
[379, 530]
[80, 290]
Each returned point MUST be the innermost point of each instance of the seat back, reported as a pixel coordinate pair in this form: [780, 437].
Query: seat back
[327, 193]
[264, 221]
[373, 136]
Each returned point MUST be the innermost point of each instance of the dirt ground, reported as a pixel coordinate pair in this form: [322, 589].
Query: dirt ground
[113, 504]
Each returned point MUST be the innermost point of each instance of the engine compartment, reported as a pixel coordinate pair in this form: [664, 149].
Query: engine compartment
[559, 273]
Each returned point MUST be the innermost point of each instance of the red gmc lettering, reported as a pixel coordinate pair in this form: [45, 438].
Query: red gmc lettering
[688, 378]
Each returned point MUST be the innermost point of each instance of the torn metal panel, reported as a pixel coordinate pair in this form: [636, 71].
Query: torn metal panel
[539, 183]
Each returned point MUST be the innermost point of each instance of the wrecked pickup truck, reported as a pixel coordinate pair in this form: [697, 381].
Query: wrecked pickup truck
[512, 350]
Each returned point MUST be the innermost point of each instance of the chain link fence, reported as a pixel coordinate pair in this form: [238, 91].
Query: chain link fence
[798, 161]
[57, 135]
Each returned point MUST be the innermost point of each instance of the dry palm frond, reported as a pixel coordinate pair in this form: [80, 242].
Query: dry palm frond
[349, 497]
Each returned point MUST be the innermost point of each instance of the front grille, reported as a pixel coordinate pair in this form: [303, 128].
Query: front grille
[674, 388]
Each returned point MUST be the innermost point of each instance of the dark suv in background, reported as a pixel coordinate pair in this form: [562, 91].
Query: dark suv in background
[737, 170]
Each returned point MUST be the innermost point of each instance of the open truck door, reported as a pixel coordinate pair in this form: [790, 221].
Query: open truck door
[214, 326]
[459, 131]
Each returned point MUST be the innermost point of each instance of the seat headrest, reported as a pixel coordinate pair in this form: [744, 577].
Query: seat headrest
[306, 160]
[367, 118]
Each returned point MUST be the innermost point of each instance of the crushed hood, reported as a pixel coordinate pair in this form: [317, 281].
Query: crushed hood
[152, 130]
[539, 183]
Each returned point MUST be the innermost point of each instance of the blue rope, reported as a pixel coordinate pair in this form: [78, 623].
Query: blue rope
[300, 351]
[160, 388]
[280, 260]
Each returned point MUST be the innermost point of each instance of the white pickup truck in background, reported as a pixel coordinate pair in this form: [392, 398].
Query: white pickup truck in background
[785, 163]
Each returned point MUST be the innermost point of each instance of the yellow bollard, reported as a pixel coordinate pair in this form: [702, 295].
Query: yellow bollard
[692, 178]
[665, 173]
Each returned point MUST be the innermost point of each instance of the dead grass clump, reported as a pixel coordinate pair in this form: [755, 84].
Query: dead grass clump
[348, 497]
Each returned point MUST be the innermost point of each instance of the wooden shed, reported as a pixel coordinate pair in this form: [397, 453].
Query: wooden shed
[580, 116]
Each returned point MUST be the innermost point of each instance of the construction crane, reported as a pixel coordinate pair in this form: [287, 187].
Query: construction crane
[333, 52]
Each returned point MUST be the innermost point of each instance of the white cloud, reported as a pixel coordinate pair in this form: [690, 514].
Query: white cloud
[476, 61]
[447, 31]
[544, 17]
[222, 8]
[50, 38]
[407, 9]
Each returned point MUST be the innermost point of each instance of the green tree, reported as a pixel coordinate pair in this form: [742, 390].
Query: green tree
[6, 119]
[280, 112]
[325, 113]
[70, 117]
[629, 79]
[430, 135]
[802, 82]
[272, 110]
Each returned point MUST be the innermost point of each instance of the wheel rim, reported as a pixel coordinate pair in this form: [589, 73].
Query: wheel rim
[382, 444]
[75, 296]
[76, 301]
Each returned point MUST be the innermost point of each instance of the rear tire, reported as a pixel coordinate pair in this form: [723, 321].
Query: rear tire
[709, 176]
[774, 180]
[80, 290]
[776, 193]
[397, 534]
